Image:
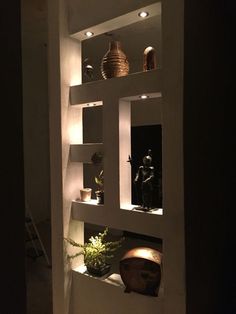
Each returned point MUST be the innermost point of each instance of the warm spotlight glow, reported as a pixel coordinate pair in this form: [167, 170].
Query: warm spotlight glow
[90, 104]
[143, 14]
[89, 34]
[74, 134]
[143, 96]
[148, 49]
[144, 253]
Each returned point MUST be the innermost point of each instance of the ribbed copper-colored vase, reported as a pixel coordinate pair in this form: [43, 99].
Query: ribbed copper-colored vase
[114, 63]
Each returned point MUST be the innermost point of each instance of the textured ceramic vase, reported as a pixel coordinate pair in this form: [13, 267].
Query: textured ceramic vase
[114, 63]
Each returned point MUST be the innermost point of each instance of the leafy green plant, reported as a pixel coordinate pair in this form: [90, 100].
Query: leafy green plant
[97, 251]
[100, 191]
[100, 180]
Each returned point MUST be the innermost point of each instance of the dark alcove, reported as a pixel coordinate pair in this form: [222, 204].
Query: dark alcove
[144, 138]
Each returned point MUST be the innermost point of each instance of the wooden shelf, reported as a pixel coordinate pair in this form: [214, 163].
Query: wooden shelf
[90, 212]
[134, 209]
[84, 152]
[149, 224]
[103, 292]
[127, 87]
[145, 223]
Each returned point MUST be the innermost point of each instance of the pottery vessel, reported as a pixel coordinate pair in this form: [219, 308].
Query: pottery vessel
[85, 194]
[140, 270]
[114, 63]
[100, 197]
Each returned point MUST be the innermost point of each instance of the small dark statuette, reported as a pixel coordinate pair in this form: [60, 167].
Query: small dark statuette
[88, 68]
[145, 177]
[130, 160]
[149, 59]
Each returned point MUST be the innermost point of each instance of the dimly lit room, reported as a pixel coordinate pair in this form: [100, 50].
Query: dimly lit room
[115, 194]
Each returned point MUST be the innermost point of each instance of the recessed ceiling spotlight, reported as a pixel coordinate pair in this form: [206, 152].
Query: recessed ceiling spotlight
[89, 34]
[143, 96]
[143, 14]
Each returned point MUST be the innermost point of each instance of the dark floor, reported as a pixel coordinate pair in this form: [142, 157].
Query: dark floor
[39, 273]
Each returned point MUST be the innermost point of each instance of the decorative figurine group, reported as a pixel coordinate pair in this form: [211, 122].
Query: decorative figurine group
[115, 63]
[143, 182]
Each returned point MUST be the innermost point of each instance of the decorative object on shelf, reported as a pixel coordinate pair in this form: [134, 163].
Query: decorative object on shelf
[114, 63]
[97, 158]
[140, 270]
[100, 192]
[85, 194]
[145, 176]
[149, 59]
[96, 253]
[88, 69]
[130, 160]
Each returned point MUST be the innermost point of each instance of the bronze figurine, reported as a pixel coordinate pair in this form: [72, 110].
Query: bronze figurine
[145, 176]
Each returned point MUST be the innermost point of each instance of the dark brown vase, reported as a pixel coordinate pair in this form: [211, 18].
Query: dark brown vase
[140, 270]
[114, 63]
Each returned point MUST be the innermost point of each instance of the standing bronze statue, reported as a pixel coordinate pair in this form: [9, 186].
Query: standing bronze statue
[145, 176]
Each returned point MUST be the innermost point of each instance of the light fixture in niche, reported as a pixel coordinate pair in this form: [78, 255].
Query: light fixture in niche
[143, 96]
[143, 14]
[89, 34]
[91, 104]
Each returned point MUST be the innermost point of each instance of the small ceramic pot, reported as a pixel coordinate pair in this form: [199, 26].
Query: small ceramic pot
[85, 194]
[100, 197]
[98, 272]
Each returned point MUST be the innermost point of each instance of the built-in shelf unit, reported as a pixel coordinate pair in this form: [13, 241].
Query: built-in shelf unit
[74, 291]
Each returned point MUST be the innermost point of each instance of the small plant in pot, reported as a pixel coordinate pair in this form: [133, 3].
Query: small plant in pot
[97, 253]
[100, 191]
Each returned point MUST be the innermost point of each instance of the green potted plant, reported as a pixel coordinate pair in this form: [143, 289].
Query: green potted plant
[100, 191]
[97, 253]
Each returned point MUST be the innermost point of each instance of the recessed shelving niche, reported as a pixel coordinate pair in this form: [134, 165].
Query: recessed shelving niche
[136, 138]
[144, 32]
[111, 284]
